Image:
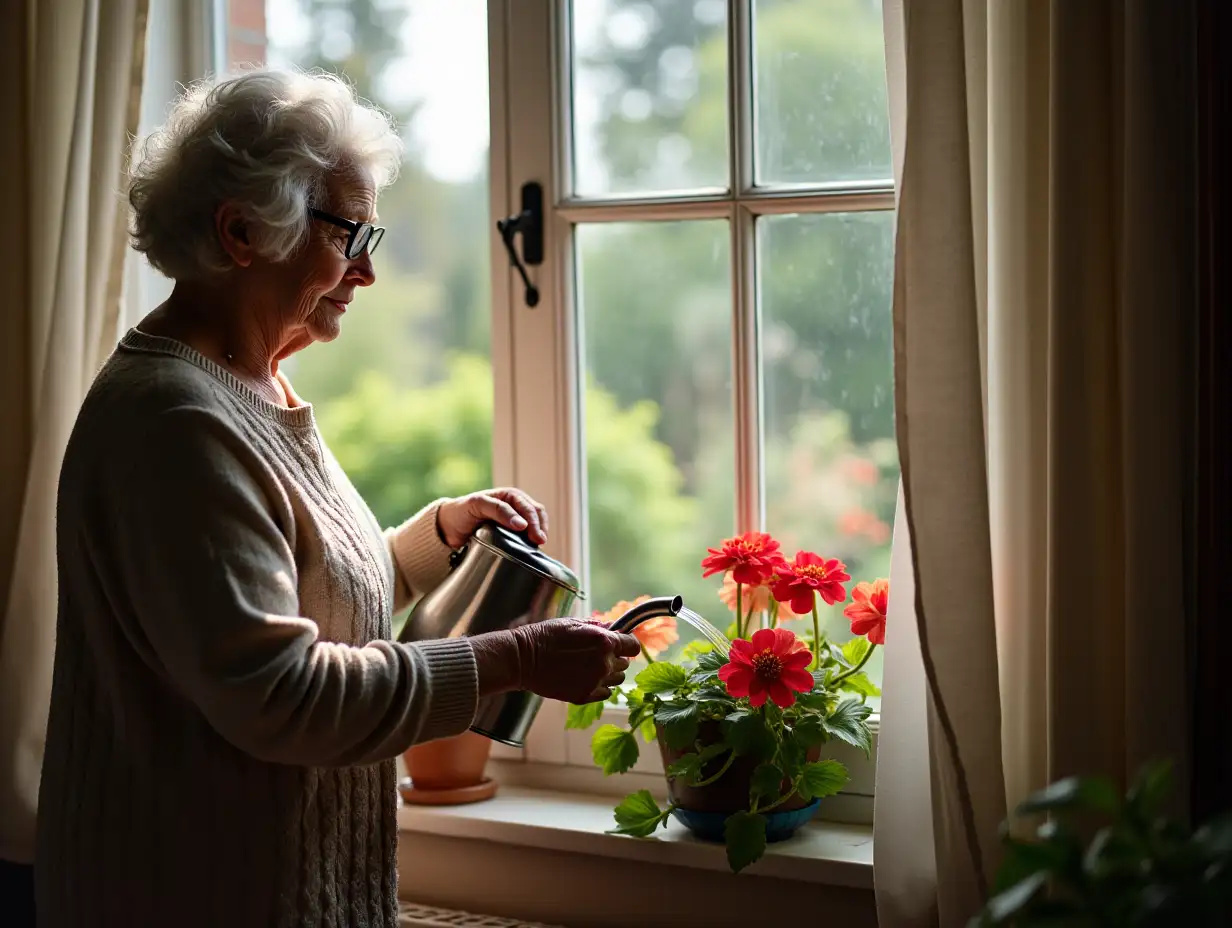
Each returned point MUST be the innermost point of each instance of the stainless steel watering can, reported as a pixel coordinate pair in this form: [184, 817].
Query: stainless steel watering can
[500, 580]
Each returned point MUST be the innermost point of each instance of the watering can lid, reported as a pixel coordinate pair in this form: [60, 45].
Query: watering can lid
[517, 546]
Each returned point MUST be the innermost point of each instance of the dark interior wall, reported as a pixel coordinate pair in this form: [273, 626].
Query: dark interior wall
[1212, 633]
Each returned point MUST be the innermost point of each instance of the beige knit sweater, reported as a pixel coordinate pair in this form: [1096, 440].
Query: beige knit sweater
[226, 703]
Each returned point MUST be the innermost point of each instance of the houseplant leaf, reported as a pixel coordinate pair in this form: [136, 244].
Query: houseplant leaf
[679, 721]
[1096, 794]
[745, 836]
[614, 749]
[766, 782]
[856, 650]
[689, 766]
[707, 668]
[821, 779]
[746, 733]
[638, 815]
[847, 723]
[582, 717]
[661, 677]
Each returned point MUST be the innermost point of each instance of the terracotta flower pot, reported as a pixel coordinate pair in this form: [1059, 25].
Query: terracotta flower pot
[730, 792]
[449, 771]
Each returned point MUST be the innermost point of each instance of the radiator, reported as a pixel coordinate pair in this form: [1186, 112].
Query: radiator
[426, 916]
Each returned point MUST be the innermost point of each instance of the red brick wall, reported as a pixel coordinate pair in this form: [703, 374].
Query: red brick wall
[245, 32]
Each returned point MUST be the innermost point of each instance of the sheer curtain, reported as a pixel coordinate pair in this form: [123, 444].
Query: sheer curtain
[1044, 303]
[74, 73]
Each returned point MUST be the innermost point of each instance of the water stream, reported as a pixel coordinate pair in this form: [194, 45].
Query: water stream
[712, 634]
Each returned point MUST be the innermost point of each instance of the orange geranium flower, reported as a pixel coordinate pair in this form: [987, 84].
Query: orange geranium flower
[751, 557]
[869, 603]
[772, 665]
[756, 596]
[811, 574]
[656, 635]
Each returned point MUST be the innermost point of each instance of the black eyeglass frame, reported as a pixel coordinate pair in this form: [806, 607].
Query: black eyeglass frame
[355, 246]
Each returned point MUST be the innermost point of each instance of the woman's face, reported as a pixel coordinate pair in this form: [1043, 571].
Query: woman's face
[318, 279]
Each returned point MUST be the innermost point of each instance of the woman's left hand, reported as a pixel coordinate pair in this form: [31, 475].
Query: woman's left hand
[457, 519]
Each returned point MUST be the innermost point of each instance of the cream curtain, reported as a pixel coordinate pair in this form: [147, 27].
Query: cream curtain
[73, 71]
[1043, 308]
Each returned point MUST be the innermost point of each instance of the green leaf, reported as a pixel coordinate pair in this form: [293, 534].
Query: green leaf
[614, 749]
[1014, 900]
[861, 684]
[638, 815]
[648, 730]
[711, 694]
[821, 779]
[695, 649]
[744, 833]
[822, 702]
[689, 767]
[1091, 793]
[810, 732]
[848, 723]
[679, 721]
[766, 782]
[1150, 789]
[582, 717]
[661, 677]
[746, 733]
[855, 650]
[707, 668]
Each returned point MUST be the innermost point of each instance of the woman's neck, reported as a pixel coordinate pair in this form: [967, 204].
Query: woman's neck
[229, 331]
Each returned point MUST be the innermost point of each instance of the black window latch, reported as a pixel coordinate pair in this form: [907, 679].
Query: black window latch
[529, 223]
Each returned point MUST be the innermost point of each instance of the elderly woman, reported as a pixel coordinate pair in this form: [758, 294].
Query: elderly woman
[227, 704]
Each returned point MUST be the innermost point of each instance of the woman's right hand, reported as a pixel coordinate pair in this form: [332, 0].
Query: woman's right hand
[571, 660]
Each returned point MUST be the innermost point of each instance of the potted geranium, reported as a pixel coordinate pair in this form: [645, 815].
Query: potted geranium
[741, 727]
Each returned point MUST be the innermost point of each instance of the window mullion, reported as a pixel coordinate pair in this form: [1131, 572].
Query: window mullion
[746, 399]
[746, 371]
[740, 95]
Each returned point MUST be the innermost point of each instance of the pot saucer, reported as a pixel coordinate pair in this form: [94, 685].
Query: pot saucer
[484, 789]
[779, 825]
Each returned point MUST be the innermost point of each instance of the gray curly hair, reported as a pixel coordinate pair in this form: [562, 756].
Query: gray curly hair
[266, 139]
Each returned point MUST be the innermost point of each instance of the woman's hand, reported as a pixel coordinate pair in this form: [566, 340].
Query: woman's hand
[457, 519]
[571, 660]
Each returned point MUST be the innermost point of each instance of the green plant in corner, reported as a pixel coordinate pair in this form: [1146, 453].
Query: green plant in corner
[741, 726]
[1140, 870]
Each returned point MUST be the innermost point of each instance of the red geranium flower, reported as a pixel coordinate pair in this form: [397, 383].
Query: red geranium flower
[772, 664]
[808, 574]
[868, 610]
[751, 558]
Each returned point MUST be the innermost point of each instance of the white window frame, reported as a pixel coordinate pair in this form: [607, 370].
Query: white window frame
[535, 351]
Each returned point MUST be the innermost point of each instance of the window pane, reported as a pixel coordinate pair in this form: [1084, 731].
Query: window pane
[649, 96]
[821, 108]
[654, 303]
[404, 395]
[831, 464]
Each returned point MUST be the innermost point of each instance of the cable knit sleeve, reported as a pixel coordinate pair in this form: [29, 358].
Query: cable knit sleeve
[420, 556]
[203, 538]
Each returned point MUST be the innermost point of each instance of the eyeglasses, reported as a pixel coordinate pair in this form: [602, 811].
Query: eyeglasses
[364, 235]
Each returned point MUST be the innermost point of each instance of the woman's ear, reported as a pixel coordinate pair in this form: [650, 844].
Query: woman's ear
[231, 225]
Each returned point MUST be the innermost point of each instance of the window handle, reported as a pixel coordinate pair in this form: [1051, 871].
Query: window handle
[529, 223]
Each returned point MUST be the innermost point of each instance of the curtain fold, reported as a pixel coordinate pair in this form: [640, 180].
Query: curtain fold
[79, 89]
[1043, 307]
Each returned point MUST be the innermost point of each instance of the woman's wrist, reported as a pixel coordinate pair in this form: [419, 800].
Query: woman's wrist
[498, 662]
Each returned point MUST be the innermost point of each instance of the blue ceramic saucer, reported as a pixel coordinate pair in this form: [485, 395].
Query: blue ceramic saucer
[779, 825]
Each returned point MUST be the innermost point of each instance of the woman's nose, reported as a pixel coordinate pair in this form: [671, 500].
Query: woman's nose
[361, 271]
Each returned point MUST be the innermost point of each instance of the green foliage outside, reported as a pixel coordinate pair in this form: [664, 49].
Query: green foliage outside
[405, 394]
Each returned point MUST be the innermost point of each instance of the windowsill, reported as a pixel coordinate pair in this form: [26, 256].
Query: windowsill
[575, 823]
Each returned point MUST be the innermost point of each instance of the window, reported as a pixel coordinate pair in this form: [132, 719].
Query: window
[712, 350]
[712, 347]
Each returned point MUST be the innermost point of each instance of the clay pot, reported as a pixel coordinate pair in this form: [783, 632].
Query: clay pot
[448, 764]
[729, 793]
